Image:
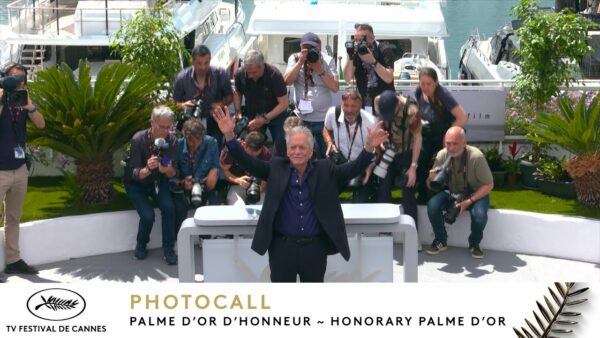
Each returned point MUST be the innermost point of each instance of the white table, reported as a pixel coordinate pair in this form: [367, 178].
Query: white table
[235, 220]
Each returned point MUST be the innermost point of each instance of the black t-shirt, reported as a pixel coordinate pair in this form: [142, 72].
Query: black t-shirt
[261, 96]
[12, 135]
[384, 54]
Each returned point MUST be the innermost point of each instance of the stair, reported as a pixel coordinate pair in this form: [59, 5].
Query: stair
[32, 58]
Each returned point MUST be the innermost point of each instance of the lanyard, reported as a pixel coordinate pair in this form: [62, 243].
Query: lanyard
[351, 142]
[464, 165]
[201, 91]
[15, 114]
[307, 78]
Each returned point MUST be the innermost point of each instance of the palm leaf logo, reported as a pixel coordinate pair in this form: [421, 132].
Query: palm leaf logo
[56, 304]
[554, 316]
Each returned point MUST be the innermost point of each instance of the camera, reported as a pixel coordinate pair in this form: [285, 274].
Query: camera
[253, 191]
[337, 157]
[443, 176]
[313, 55]
[363, 46]
[381, 169]
[452, 211]
[241, 127]
[196, 110]
[197, 194]
[355, 182]
[12, 95]
[159, 148]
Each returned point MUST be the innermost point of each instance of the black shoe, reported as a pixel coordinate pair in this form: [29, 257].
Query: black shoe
[437, 247]
[20, 267]
[140, 252]
[2, 278]
[170, 257]
[476, 251]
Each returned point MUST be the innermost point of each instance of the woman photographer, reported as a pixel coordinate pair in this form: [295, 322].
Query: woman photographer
[439, 111]
[400, 116]
[197, 170]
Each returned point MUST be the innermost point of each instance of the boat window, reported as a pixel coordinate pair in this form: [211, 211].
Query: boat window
[401, 46]
[290, 46]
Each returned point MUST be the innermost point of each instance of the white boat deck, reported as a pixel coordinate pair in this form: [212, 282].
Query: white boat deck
[455, 266]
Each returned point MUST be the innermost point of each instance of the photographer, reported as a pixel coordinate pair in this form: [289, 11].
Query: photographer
[265, 94]
[204, 85]
[463, 170]
[439, 111]
[369, 62]
[150, 165]
[240, 180]
[314, 77]
[13, 170]
[345, 133]
[198, 166]
[401, 120]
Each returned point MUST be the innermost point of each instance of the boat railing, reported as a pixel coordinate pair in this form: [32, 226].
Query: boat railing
[80, 18]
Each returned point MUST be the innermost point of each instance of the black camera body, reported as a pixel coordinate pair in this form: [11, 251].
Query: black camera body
[253, 191]
[313, 55]
[159, 149]
[241, 127]
[12, 95]
[337, 157]
[196, 110]
[452, 210]
[443, 176]
[361, 47]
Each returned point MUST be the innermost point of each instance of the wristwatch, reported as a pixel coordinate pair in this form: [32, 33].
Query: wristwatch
[374, 63]
[414, 165]
[264, 116]
[321, 74]
[32, 110]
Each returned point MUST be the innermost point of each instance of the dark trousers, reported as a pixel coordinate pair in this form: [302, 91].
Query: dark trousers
[306, 257]
[181, 206]
[139, 196]
[384, 194]
[430, 147]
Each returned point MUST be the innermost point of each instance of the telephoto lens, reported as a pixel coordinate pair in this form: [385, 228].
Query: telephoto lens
[197, 194]
[253, 191]
[381, 169]
[363, 47]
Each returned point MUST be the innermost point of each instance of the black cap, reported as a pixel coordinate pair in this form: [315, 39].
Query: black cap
[310, 38]
[387, 105]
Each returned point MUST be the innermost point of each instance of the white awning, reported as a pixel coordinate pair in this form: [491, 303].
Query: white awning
[417, 19]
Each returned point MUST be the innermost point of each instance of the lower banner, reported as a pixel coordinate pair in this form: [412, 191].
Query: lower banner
[301, 310]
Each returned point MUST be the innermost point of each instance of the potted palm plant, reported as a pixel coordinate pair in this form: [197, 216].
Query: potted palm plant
[554, 180]
[90, 124]
[496, 164]
[575, 128]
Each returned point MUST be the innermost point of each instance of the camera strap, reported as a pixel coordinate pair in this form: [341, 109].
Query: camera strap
[356, 127]
[193, 169]
[15, 114]
[464, 171]
[307, 78]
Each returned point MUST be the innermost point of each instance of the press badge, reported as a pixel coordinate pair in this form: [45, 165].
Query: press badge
[19, 153]
[305, 106]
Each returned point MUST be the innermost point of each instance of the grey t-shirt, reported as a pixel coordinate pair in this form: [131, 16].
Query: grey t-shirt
[316, 92]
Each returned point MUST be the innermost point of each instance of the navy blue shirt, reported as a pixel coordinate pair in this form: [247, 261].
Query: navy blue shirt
[296, 216]
[185, 87]
[11, 137]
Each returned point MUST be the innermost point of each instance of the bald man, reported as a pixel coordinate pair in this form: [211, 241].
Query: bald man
[471, 178]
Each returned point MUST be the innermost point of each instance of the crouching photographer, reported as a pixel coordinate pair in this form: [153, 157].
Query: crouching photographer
[345, 133]
[397, 166]
[147, 173]
[15, 109]
[461, 180]
[197, 171]
[245, 189]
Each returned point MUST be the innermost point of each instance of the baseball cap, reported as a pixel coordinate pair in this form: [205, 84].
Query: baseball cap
[310, 38]
[387, 105]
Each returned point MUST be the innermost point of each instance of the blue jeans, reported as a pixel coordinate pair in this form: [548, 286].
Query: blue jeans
[276, 127]
[138, 195]
[316, 128]
[478, 212]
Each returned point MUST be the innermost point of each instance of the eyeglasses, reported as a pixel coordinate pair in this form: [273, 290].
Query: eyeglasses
[253, 212]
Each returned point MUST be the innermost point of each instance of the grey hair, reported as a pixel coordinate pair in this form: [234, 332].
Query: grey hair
[300, 130]
[162, 112]
[254, 57]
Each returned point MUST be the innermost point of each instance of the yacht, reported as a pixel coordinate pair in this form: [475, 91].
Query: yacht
[43, 33]
[492, 58]
[415, 28]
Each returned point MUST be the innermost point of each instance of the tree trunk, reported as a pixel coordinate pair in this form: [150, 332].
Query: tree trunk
[96, 179]
[588, 189]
